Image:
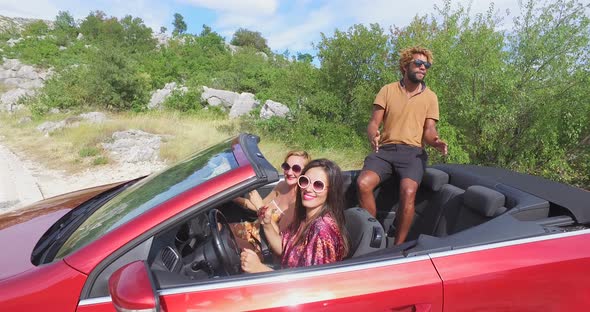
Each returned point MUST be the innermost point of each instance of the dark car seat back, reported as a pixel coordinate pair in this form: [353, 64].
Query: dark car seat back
[365, 233]
[445, 201]
[479, 205]
[432, 183]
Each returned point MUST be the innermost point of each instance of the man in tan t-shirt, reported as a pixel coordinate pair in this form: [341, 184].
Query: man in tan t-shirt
[408, 111]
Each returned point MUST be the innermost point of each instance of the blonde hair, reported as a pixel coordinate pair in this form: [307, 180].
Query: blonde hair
[303, 154]
[406, 56]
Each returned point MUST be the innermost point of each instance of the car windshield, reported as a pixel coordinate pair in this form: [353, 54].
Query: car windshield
[151, 192]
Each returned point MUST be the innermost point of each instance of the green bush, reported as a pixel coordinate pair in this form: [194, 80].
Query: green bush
[184, 101]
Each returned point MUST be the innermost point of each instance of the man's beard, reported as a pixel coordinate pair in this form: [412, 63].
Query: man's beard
[414, 78]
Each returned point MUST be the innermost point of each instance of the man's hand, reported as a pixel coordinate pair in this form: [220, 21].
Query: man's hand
[440, 145]
[375, 140]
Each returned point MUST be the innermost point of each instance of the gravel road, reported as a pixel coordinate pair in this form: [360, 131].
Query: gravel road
[18, 186]
[24, 182]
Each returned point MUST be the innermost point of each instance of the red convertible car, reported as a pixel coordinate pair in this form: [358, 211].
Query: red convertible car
[483, 239]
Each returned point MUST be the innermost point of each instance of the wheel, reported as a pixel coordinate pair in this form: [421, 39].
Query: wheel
[224, 242]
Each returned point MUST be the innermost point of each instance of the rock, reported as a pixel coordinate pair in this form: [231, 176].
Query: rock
[51, 126]
[27, 72]
[25, 120]
[12, 42]
[222, 98]
[7, 73]
[10, 98]
[11, 64]
[243, 105]
[134, 146]
[94, 117]
[159, 96]
[272, 108]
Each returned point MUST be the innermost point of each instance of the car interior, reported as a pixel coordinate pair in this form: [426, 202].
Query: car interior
[454, 209]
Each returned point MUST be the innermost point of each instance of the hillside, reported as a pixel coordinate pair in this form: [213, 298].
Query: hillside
[16, 24]
[516, 100]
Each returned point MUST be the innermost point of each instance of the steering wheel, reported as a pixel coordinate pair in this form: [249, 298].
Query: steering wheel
[224, 242]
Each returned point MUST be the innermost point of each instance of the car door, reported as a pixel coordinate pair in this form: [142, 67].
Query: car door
[549, 273]
[394, 285]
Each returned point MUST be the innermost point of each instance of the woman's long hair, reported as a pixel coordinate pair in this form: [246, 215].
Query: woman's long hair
[334, 204]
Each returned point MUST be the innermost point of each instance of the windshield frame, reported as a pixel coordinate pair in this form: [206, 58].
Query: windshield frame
[193, 165]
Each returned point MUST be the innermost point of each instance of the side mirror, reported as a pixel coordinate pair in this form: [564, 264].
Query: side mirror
[132, 288]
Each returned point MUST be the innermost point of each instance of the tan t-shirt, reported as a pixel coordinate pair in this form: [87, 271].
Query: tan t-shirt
[404, 118]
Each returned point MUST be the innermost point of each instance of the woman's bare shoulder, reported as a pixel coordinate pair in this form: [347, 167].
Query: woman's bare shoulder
[281, 188]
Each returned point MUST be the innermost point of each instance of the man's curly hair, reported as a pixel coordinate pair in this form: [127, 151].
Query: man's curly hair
[406, 56]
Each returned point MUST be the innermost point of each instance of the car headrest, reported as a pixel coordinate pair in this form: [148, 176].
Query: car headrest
[434, 179]
[485, 201]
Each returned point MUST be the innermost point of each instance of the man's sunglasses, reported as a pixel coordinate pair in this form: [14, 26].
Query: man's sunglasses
[318, 185]
[296, 168]
[421, 62]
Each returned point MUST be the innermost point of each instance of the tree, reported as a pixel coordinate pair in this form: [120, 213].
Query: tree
[304, 57]
[163, 29]
[179, 25]
[248, 38]
[137, 37]
[353, 73]
[36, 28]
[64, 21]
[91, 26]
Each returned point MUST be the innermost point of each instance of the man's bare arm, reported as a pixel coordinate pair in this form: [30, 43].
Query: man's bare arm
[373, 128]
[430, 136]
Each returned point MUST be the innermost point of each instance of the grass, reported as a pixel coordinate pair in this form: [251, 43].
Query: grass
[88, 151]
[77, 148]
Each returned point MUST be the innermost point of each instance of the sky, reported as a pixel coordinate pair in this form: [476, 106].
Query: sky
[293, 25]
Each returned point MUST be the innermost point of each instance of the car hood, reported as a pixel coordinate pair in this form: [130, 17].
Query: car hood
[21, 230]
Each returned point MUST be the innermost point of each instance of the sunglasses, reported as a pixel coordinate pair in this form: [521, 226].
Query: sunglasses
[318, 185]
[296, 168]
[421, 62]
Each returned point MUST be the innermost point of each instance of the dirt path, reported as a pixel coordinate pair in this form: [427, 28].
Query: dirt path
[24, 182]
[17, 185]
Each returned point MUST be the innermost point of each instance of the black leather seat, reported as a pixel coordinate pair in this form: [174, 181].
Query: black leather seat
[365, 233]
[479, 205]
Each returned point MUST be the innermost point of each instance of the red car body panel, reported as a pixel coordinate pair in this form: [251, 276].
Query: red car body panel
[64, 201]
[88, 257]
[540, 275]
[20, 239]
[400, 286]
[21, 230]
[50, 287]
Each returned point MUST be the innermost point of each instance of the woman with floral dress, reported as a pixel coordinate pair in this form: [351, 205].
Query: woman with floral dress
[317, 234]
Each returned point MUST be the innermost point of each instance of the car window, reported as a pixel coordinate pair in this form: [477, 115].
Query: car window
[150, 193]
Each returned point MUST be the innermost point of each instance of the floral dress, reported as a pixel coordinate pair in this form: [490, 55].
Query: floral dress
[322, 244]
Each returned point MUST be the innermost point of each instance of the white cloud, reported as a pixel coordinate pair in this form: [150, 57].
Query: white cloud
[287, 24]
[154, 13]
[245, 7]
[42, 9]
[299, 37]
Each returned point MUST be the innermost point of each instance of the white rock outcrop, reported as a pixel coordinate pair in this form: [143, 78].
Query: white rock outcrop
[243, 105]
[133, 146]
[272, 109]
[21, 80]
[160, 95]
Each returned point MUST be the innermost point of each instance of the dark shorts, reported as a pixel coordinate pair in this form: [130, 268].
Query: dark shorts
[405, 160]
